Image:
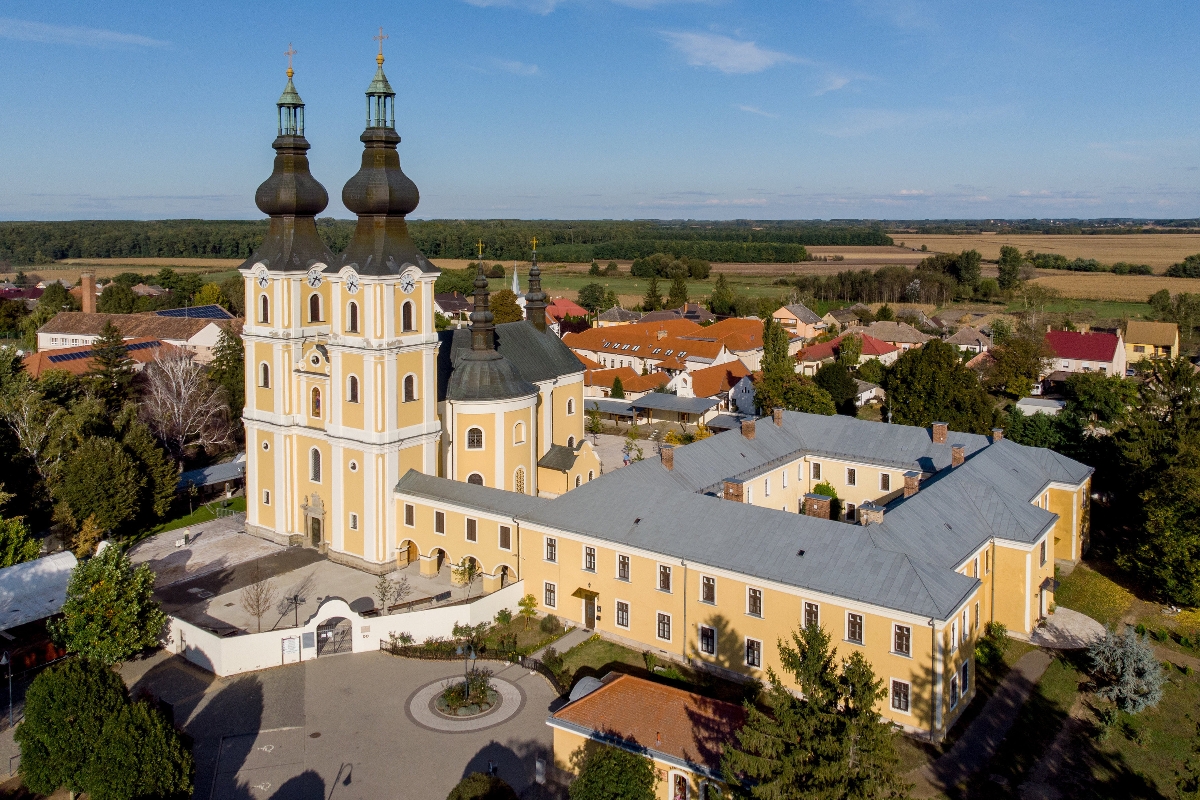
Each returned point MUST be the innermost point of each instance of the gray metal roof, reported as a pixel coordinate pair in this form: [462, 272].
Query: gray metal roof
[606, 405]
[537, 355]
[724, 422]
[660, 401]
[618, 314]
[217, 473]
[35, 589]
[559, 457]
[496, 501]
[804, 313]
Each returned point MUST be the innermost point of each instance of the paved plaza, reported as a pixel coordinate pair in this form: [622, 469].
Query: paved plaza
[211, 547]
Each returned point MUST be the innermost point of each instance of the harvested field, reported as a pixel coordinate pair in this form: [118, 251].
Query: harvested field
[1159, 250]
[143, 263]
[1106, 286]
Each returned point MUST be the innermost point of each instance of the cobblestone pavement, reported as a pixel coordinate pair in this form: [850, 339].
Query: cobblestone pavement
[212, 546]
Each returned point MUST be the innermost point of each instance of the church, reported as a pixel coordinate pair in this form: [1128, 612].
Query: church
[350, 385]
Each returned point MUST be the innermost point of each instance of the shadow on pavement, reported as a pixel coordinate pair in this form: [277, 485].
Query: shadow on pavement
[515, 762]
[308, 785]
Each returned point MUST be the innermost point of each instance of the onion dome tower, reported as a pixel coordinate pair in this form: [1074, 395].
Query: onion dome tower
[292, 197]
[380, 193]
[482, 373]
[535, 298]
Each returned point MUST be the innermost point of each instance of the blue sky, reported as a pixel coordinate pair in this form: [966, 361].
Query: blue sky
[614, 108]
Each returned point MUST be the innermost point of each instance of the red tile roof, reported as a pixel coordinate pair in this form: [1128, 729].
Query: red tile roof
[78, 360]
[561, 307]
[870, 347]
[1090, 346]
[719, 378]
[604, 377]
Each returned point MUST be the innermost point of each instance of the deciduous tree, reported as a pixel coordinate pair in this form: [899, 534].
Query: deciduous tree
[591, 297]
[1018, 360]
[504, 307]
[835, 379]
[186, 411]
[16, 542]
[611, 773]
[479, 786]
[100, 479]
[1010, 267]
[930, 383]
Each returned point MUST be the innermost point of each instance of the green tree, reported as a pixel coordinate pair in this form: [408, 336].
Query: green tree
[849, 351]
[872, 371]
[835, 379]
[111, 374]
[722, 301]
[618, 390]
[653, 299]
[885, 313]
[591, 297]
[504, 307]
[1010, 267]
[595, 269]
[594, 425]
[117, 298]
[99, 478]
[930, 383]
[780, 386]
[678, 297]
[210, 295]
[1018, 360]
[156, 469]
[110, 613]
[479, 786]
[141, 755]
[835, 504]
[16, 542]
[234, 292]
[528, 608]
[1100, 398]
[612, 773]
[228, 370]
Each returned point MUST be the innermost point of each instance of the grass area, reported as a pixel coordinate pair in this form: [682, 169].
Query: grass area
[1089, 592]
[204, 513]
[530, 637]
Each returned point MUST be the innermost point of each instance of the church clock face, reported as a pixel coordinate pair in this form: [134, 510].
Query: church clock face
[407, 284]
[352, 284]
[263, 280]
[314, 278]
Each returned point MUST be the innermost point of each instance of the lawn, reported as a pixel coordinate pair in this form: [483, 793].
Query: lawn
[203, 513]
[530, 637]
[1089, 592]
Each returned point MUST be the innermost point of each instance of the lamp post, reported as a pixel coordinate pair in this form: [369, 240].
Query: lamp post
[7, 662]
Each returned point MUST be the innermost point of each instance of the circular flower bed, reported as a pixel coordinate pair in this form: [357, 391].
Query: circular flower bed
[470, 697]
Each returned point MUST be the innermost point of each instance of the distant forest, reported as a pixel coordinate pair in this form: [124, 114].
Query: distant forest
[1065, 227]
[25, 243]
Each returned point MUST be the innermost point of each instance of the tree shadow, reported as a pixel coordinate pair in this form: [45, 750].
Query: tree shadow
[308, 785]
[223, 731]
[515, 762]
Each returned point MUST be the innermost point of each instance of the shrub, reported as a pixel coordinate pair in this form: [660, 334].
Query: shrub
[553, 659]
[503, 617]
[651, 660]
[609, 773]
[478, 786]
[550, 624]
[1126, 671]
[994, 644]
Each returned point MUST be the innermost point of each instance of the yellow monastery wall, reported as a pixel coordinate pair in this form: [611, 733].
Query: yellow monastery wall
[353, 501]
[482, 461]
[518, 454]
[410, 362]
[352, 413]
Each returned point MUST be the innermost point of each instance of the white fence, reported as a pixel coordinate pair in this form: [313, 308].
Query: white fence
[254, 651]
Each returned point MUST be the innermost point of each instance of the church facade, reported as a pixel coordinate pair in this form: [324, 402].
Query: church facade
[349, 384]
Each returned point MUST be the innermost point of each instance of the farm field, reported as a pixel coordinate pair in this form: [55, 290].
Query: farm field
[1106, 286]
[1159, 250]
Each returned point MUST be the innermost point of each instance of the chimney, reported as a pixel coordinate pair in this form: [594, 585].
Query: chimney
[912, 482]
[940, 431]
[777, 416]
[667, 453]
[748, 428]
[958, 454]
[733, 491]
[87, 283]
[997, 434]
[816, 505]
[870, 514]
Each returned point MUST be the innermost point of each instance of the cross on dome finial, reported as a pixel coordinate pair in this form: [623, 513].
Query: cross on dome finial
[380, 38]
[479, 245]
[535, 244]
[291, 51]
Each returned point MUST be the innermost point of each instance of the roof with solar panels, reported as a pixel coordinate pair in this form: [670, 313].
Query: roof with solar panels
[78, 360]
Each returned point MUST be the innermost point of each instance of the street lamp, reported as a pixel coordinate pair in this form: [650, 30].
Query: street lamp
[5, 661]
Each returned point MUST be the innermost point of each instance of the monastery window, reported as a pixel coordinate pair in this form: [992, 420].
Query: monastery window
[314, 465]
[954, 636]
[264, 375]
[264, 309]
[975, 567]
[475, 478]
[410, 388]
[622, 568]
[854, 628]
[266, 445]
[902, 640]
[977, 616]
[475, 439]
[885, 482]
[664, 626]
[901, 692]
[708, 640]
[785, 478]
[551, 596]
[708, 590]
[316, 403]
[505, 537]
[966, 630]
[519, 480]
[767, 487]
[754, 602]
[578, 481]
[410, 515]
[749, 493]
[622, 614]
[851, 476]
[571, 442]
[987, 562]
[591, 474]
[753, 653]
[406, 316]
[551, 549]
[352, 389]
[354, 522]
[812, 615]
[816, 471]
[354, 466]
[314, 308]
[1042, 555]
[352, 318]
[439, 522]
[954, 691]
[472, 530]
[664, 578]
[965, 673]
[519, 433]
[266, 497]
[589, 559]
[570, 405]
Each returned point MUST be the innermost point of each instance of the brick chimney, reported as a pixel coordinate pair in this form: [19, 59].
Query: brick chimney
[912, 483]
[816, 505]
[748, 428]
[777, 416]
[939, 431]
[870, 514]
[87, 284]
[733, 491]
[667, 453]
[997, 434]
[958, 454]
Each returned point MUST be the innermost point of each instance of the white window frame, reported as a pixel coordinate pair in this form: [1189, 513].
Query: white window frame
[585, 554]
[500, 537]
[353, 521]
[804, 612]
[704, 578]
[670, 579]
[954, 636]
[482, 438]
[629, 568]
[439, 516]
[784, 475]
[761, 611]
[617, 603]
[954, 694]
[266, 497]
[519, 433]
[550, 543]
[658, 623]
[815, 470]
[895, 629]
[417, 392]
[264, 371]
[700, 639]
[749, 493]
[746, 652]
[862, 624]
[767, 486]
[892, 696]
[885, 477]
[467, 529]
[966, 625]
[550, 591]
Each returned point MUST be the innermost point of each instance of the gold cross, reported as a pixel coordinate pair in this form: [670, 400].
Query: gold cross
[535, 243]
[291, 51]
[480, 246]
[380, 39]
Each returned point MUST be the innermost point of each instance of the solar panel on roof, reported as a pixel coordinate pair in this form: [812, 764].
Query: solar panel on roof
[62, 357]
[196, 312]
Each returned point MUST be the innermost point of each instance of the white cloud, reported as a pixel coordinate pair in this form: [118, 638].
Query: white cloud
[515, 67]
[833, 83]
[25, 31]
[759, 111]
[731, 56]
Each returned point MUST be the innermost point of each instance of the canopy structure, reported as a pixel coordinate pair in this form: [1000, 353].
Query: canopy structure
[35, 589]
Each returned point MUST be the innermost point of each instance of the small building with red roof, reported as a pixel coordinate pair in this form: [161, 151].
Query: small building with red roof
[1086, 351]
[811, 359]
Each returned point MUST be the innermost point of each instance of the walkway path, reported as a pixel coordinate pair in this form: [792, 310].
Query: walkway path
[1067, 630]
[573, 637]
[979, 742]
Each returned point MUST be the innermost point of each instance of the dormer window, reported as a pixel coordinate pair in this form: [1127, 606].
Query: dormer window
[668, 352]
[656, 351]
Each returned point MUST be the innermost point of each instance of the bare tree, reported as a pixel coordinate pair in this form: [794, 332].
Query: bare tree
[386, 589]
[183, 408]
[258, 599]
[34, 423]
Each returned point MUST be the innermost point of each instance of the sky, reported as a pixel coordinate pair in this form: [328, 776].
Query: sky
[621, 109]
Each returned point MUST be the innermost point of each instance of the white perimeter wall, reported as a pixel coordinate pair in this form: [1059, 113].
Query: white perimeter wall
[255, 651]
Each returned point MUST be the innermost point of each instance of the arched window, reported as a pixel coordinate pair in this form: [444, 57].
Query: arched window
[570, 405]
[571, 442]
[352, 318]
[519, 433]
[406, 316]
[578, 481]
[410, 388]
[314, 308]
[264, 375]
[314, 465]
[591, 474]
[519, 480]
[264, 312]
[352, 389]
[316, 402]
[475, 439]
[475, 478]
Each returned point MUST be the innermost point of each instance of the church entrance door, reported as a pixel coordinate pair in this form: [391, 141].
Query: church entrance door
[315, 528]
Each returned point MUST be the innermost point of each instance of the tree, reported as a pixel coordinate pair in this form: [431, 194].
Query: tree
[158, 473]
[835, 505]
[1010, 267]
[111, 373]
[618, 389]
[528, 608]
[479, 786]
[89, 535]
[780, 386]
[228, 370]
[872, 371]
[504, 307]
[1100, 398]
[930, 383]
[259, 598]
[100, 479]
[141, 755]
[722, 300]
[1188, 268]
[1018, 360]
[594, 425]
[117, 298]
[186, 410]
[653, 299]
[612, 773]
[631, 450]
[233, 290]
[835, 379]
[17, 544]
[465, 572]
[209, 295]
[110, 612]
[885, 313]
[678, 296]
[1126, 670]
[591, 297]
[849, 351]
[384, 590]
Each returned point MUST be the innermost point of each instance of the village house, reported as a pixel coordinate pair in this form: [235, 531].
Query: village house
[616, 316]
[599, 382]
[674, 345]
[692, 312]
[812, 358]
[452, 305]
[970, 339]
[78, 360]
[711, 382]
[799, 321]
[70, 329]
[1149, 340]
[842, 318]
[1086, 351]
[898, 334]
